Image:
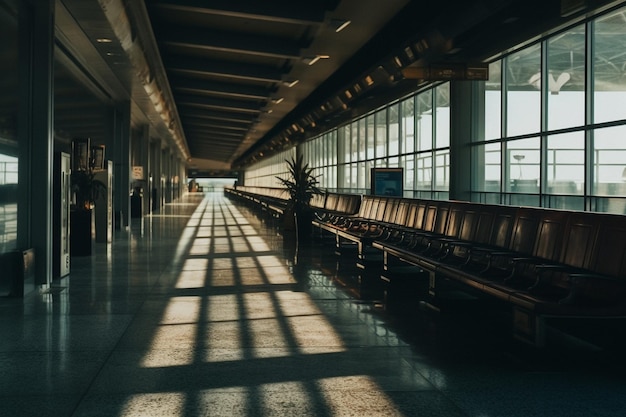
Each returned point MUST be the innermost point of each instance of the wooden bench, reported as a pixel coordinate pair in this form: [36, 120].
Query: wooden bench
[270, 200]
[274, 201]
[540, 262]
[357, 228]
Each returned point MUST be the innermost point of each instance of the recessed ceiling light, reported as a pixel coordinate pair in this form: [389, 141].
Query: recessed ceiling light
[104, 40]
[290, 83]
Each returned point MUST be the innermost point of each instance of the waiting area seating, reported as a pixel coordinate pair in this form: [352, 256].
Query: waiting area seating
[274, 201]
[539, 262]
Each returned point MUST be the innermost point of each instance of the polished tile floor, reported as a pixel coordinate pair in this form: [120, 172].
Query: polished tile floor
[204, 310]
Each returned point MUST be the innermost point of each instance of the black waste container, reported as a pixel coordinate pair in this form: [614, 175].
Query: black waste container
[136, 203]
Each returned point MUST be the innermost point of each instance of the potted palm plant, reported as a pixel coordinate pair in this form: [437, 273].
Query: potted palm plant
[86, 189]
[301, 186]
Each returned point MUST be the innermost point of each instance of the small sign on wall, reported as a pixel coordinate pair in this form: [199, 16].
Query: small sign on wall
[138, 172]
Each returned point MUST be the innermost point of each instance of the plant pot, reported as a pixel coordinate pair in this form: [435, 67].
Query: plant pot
[304, 227]
[81, 232]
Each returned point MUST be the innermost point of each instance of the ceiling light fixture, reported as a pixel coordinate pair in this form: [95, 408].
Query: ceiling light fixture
[290, 83]
[339, 24]
[104, 40]
[409, 53]
[277, 100]
[310, 60]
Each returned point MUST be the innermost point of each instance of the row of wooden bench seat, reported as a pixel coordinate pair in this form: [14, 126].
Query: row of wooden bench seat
[268, 199]
[541, 262]
[274, 201]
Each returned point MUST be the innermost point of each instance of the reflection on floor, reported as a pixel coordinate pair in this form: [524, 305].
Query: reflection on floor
[204, 310]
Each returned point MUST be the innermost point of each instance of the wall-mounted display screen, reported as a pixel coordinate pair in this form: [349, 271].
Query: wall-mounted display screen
[387, 181]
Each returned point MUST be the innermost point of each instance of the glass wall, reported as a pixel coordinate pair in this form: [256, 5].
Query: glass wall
[9, 82]
[548, 129]
[413, 134]
[562, 144]
[265, 172]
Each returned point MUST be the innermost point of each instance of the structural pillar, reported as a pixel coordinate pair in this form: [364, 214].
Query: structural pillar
[121, 159]
[460, 139]
[36, 140]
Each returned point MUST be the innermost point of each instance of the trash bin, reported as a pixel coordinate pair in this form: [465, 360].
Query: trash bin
[136, 203]
[18, 272]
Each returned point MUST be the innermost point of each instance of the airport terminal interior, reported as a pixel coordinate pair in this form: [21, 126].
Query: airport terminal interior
[459, 250]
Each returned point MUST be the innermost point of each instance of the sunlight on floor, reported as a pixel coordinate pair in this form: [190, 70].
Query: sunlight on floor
[219, 321]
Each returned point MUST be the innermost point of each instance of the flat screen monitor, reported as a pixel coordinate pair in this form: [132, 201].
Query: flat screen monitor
[387, 181]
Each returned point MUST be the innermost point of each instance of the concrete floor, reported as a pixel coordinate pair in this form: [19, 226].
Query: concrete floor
[204, 310]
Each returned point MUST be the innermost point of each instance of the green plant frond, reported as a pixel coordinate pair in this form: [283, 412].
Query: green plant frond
[301, 184]
[86, 187]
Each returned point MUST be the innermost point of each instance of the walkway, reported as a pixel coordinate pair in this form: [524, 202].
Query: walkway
[202, 310]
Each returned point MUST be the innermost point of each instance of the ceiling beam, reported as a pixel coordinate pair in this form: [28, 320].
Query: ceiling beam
[190, 85]
[193, 113]
[240, 106]
[292, 12]
[199, 133]
[216, 126]
[230, 70]
[216, 145]
[235, 43]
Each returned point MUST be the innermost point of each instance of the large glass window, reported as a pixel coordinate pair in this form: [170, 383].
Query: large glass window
[424, 171]
[609, 156]
[523, 83]
[394, 130]
[566, 79]
[368, 124]
[424, 115]
[408, 125]
[387, 137]
[566, 163]
[492, 116]
[558, 156]
[9, 99]
[442, 170]
[264, 173]
[523, 163]
[381, 133]
[442, 132]
[488, 164]
[609, 64]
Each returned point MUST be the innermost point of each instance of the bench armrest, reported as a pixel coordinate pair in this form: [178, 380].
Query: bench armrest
[588, 287]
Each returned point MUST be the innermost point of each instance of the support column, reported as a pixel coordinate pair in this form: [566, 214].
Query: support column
[182, 178]
[156, 173]
[167, 175]
[140, 157]
[36, 139]
[121, 160]
[460, 139]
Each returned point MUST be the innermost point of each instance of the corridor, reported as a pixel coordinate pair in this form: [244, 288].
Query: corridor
[203, 310]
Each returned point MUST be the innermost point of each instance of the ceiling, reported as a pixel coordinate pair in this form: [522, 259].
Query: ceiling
[232, 82]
